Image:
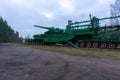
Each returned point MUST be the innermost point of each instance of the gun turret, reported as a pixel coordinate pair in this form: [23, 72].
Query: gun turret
[51, 29]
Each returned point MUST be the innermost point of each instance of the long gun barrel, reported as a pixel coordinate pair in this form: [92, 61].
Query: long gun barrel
[110, 17]
[98, 19]
[43, 27]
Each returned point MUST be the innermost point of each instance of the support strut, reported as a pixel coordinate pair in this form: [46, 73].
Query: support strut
[72, 44]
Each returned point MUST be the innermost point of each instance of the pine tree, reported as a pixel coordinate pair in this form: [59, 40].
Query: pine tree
[7, 34]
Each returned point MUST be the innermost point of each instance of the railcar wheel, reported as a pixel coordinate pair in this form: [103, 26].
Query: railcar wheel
[103, 45]
[95, 45]
[37, 43]
[88, 45]
[117, 45]
[82, 44]
[77, 43]
[32, 43]
[111, 45]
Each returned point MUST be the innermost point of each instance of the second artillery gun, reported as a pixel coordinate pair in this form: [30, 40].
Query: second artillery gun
[82, 34]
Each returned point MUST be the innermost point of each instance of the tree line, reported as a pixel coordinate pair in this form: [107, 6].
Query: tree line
[7, 34]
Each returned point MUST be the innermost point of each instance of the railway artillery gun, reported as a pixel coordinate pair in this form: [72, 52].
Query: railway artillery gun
[81, 34]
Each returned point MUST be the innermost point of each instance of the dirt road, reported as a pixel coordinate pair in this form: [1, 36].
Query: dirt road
[24, 63]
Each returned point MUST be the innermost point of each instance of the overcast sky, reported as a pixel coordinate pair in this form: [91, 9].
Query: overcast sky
[21, 15]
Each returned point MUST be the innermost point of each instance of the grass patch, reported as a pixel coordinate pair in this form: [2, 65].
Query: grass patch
[89, 52]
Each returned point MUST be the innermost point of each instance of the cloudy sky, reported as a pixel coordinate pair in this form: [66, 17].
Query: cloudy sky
[21, 15]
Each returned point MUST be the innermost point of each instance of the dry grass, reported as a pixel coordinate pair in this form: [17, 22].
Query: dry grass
[89, 52]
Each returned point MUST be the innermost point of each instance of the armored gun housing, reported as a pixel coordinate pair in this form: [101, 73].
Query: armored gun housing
[81, 34]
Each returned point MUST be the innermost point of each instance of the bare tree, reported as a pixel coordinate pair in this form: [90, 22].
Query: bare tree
[115, 11]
